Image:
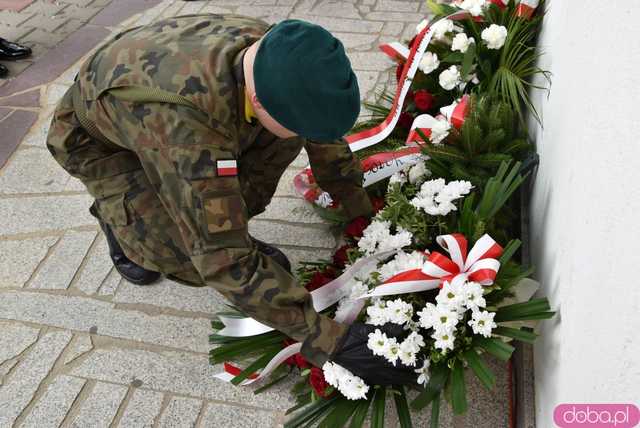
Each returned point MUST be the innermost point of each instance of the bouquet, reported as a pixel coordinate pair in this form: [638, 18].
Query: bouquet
[438, 260]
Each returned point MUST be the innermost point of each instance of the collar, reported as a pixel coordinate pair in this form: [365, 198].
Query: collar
[246, 109]
[249, 114]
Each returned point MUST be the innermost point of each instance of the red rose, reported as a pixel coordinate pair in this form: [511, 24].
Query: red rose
[405, 120]
[319, 385]
[340, 258]
[356, 227]
[319, 279]
[378, 204]
[423, 100]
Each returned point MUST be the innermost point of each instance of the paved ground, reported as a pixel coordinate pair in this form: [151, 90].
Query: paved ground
[81, 347]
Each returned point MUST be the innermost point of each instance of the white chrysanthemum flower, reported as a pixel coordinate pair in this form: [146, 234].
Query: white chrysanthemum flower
[333, 373]
[423, 372]
[400, 263]
[392, 352]
[398, 177]
[461, 42]
[376, 316]
[441, 28]
[324, 200]
[482, 322]
[436, 198]
[439, 131]
[418, 172]
[494, 36]
[474, 7]
[407, 354]
[443, 340]
[444, 319]
[429, 62]
[452, 296]
[414, 341]
[421, 25]
[399, 311]
[475, 294]
[450, 78]
[427, 315]
[354, 388]
[378, 343]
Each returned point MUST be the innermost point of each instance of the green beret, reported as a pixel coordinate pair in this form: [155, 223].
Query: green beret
[304, 80]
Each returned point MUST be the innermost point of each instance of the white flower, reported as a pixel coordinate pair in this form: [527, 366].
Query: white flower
[474, 295]
[398, 177]
[378, 343]
[407, 354]
[429, 62]
[443, 340]
[423, 372]
[436, 198]
[333, 373]
[482, 323]
[421, 25]
[414, 342]
[324, 200]
[399, 312]
[426, 316]
[452, 295]
[450, 78]
[418, 172]
[439, 131]
[441, 28]
[494, 36]
[377, 313]
[473, 6]
[354, 388]
[461, 42]
[444, 319]
[377, 238]
[392, 352]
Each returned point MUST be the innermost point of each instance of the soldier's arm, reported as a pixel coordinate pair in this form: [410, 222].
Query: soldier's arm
[338, 172]
[212, 217]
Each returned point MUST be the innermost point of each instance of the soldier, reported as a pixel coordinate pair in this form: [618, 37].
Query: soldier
[181, 129]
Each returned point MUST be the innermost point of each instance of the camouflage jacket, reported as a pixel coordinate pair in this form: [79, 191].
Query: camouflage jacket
[200, 58]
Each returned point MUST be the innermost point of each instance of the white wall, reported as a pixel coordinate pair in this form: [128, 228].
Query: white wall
[586, 206]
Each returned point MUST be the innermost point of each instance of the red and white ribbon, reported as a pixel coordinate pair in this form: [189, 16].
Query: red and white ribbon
[395, 50]
[479, 265]
[457, 112]
[526, 8]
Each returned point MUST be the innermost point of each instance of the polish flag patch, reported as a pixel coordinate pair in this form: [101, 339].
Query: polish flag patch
[227, 168]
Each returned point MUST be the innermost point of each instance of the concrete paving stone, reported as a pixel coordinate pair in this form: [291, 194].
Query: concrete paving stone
[369, 2]
[68, 76]
[285, 185]
[20, 259]
[291, 209]
[32, 171]
[264, 11]
[367, 82]
[51, 409]
[179, 373]
[216, 9]
[80, 346]
[371, 61]
[119, 10]
[392, 28]
[297, 255]
[83, 13]
[74, 185]
[96, 269]
[341, 24]
[15, 339]
[394, 16]
[398, 6]
[80, 3]
[4, 112]
[286, 234]
[45, 213]
[173, 9]
[287, 2]
[43, 36]
[18, 392]
[13, 129]
[45, 7]
[48, 23]
[25, 99]
[111, 283]
[193, 7]
[101, 406]
[169, 294]
[338, 9]
[13, 19]
[17, 67]
[142, 409]
[86, 314]
[69, 26]
[220, 415]
[59, 269]
[181, 412]
[55, 92]
[363, 8]
[354, 41]
[37, 136]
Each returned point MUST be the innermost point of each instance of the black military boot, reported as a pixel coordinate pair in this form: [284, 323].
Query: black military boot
[13, 51]
[274, 253]
[129, 270]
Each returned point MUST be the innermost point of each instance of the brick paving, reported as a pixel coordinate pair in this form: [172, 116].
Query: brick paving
[79, 346]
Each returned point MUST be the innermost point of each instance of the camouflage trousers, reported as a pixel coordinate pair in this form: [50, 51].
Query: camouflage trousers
[126, 200]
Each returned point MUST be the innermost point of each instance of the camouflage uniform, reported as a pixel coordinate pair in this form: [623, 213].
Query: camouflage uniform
[151, 166]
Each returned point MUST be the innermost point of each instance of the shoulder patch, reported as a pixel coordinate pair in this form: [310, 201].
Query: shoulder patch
[227, 168]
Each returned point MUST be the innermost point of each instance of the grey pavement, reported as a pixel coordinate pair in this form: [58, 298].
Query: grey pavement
[80, 347]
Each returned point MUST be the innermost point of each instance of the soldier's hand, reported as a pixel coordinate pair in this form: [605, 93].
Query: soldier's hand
[354, 355]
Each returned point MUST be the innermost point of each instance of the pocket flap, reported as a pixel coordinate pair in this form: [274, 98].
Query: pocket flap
[112, 210]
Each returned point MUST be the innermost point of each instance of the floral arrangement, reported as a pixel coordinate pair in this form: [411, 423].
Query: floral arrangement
[438, 261]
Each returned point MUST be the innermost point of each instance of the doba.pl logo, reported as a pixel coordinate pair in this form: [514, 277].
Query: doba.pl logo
[596, 415]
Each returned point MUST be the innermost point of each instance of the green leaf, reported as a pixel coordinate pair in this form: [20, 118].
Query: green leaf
[362, 408]
[519, 310]
[509, 251]
[516, 333]
[495, 347]
[377, 417]
[271, 384]
[255, 366]
[309, 412]
[339, 415]
[439, 374]
[402, 408]
[458, 390]
[443, 152]
[453, 58]
[467, 61]
[435, 412]
[480, 369]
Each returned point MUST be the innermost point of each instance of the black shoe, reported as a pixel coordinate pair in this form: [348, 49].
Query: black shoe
[130, 271]
[274, 253]
[3, 71]
[10, 50]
